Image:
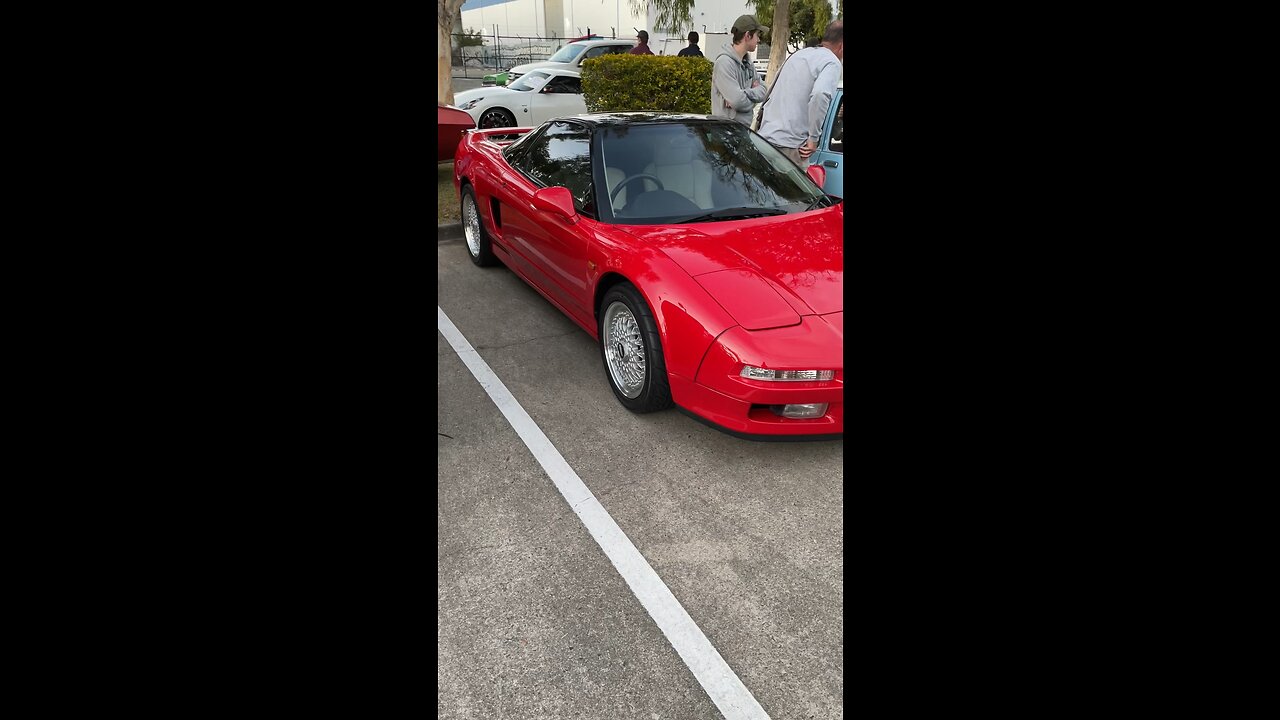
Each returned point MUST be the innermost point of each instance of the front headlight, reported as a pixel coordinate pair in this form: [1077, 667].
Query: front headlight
[469, 104]
[755, 373]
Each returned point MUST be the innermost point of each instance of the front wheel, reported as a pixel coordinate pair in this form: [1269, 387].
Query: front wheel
[632, 351]
[496, 118]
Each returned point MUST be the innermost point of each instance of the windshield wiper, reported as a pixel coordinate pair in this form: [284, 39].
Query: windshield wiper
[733, 214]
[815, 203]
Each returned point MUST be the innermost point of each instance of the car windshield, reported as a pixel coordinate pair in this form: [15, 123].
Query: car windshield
[674, 173]
[566, 53]
[533, 81]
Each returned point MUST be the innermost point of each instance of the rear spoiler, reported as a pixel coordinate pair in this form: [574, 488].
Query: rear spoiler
[493, 134]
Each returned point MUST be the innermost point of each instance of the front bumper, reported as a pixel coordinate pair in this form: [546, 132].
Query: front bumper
[741, 406]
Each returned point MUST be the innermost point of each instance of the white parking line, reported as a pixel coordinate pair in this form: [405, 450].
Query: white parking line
[733, 698]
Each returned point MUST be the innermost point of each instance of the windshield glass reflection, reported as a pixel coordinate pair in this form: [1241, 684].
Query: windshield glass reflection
[699, 172]
[533, 81]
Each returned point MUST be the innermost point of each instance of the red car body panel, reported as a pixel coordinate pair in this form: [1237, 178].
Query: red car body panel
[749, 298]
[802, 253]
[450, 124]
[766, 292]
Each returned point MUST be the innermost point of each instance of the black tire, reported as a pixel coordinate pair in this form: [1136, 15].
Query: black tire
[479, 246]
[637, 371]
[495, 118]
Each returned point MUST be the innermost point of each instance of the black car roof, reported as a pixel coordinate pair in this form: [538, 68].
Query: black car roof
[647, 118]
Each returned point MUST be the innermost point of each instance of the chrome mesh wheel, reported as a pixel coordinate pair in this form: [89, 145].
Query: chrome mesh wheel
[624, 350]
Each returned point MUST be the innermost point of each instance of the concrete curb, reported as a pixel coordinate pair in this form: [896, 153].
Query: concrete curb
[452, 231]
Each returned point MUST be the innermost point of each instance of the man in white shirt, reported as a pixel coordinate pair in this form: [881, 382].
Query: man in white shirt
[792, 118]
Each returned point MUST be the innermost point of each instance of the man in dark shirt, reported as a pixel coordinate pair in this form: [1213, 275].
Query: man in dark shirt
[692, 50]
[642, 46]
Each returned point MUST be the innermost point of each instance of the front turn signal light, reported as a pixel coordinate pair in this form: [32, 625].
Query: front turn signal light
[755, 373]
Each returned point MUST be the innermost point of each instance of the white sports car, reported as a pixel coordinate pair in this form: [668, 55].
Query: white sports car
[535, 98]
[570, 56]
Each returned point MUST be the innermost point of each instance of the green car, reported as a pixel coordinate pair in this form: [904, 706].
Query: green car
[495, 79]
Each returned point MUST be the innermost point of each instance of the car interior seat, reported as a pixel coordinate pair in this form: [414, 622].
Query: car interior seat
[622, 160]
[614, 175]
[681, 169]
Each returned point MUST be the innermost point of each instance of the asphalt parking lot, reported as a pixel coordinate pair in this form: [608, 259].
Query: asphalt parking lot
[535, 618]
[469, 83]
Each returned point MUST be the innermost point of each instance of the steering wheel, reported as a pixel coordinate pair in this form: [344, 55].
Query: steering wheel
[614, 195]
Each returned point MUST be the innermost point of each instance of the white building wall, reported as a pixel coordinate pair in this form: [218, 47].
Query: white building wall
[571, 18]
[547, 18]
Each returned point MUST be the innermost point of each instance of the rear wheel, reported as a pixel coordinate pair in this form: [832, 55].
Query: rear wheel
[632, 351]
[496, 118]
[479, 248]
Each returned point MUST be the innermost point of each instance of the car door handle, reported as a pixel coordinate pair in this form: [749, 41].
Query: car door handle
[830, 163]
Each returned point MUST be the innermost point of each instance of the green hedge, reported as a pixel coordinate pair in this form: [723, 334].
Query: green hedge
[624, 83]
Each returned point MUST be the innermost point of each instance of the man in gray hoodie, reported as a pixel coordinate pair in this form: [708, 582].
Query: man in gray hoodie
[735, 87]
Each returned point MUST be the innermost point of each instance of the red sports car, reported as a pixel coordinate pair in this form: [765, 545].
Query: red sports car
[708, 266]
[450, 124]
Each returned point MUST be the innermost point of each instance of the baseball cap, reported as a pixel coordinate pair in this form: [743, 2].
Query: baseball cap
[747, 23]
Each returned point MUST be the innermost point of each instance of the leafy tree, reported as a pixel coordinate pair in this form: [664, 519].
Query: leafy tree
[470, 38]
[805, 19]
[671, 14]
[808, 18]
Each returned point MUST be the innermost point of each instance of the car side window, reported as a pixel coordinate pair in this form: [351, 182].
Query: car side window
[604, 50]
[564, 84]
[561, 155]
[516, 151]
[837, 129]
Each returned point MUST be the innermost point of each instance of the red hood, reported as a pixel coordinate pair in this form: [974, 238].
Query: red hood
[800, 256]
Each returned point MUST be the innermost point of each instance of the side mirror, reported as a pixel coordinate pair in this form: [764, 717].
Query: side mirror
[556, 200]
[817, 173]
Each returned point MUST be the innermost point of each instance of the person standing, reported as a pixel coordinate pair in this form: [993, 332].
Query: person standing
[642, 44]
[792, 119]
[735, 86]
[692, 50]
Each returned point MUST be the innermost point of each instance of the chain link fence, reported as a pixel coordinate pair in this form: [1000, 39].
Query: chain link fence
[499, 52]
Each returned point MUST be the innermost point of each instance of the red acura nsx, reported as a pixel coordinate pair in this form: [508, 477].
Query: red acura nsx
[708, 266]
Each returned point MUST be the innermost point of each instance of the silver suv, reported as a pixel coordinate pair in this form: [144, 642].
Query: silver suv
[570, 56]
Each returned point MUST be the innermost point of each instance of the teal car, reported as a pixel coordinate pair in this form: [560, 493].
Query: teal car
[830, 152]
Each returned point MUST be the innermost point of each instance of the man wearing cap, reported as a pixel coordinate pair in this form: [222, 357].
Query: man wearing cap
[642, 45]
[735, 87]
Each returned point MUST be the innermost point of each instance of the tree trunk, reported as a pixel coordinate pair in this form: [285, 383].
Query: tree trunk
[444, 49]
[778, 39]
[444, 67]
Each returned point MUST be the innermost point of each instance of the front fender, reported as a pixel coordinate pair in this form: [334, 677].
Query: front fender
[688, 318]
